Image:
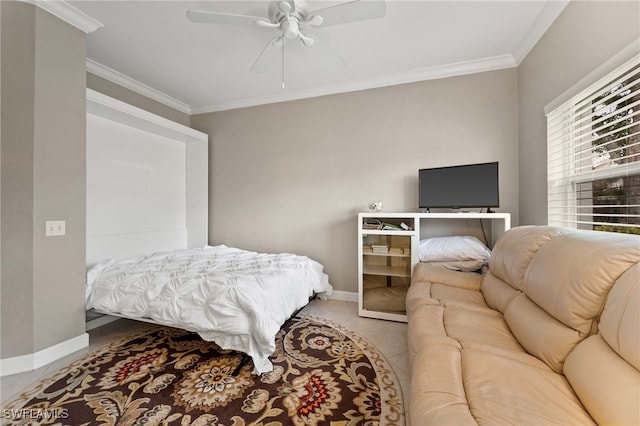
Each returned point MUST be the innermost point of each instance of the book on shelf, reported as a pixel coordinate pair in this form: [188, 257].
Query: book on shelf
[391, 227]
[396, 250]
[378, 248]
[375, 224]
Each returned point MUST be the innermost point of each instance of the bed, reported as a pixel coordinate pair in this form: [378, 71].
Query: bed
[236, 298]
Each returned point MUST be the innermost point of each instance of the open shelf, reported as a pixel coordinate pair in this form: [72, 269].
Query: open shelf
[385, 254]
[383, 278]
[390, 271]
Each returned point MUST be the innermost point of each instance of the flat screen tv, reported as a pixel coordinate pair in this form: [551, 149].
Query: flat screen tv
[457, 187]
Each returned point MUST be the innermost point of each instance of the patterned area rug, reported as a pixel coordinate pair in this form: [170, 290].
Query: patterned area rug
[323, 374]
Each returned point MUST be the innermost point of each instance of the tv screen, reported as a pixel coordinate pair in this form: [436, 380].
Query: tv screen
[471, 185]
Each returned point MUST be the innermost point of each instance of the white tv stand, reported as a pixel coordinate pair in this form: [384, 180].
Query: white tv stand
[389, 273]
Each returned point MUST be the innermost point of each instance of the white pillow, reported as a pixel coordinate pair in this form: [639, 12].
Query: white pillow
[446, 249]
[461, 265]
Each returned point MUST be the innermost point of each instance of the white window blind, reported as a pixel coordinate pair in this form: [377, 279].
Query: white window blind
[593, 155]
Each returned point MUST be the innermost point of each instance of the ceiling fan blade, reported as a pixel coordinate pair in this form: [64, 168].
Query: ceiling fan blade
[326, 54]
[355, 10]
[267, 56]
[311, 21]
[285, 7]
[203, 17]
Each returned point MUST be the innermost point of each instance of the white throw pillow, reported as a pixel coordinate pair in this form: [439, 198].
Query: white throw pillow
[461, 265]
[445, 249]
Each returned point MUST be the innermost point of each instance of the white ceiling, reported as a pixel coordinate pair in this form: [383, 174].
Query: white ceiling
[151, 47]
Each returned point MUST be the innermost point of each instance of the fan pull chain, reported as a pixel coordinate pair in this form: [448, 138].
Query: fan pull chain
[283, 38]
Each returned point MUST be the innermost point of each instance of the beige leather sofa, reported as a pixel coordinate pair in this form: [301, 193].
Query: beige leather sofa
[550, 335]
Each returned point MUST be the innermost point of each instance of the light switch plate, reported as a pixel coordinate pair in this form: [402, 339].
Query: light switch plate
[55, 228]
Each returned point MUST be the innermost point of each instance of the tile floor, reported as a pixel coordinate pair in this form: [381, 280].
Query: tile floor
[388, 336]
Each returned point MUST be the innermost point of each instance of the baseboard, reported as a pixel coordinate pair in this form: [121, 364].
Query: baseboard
[22, 363]
[345, 296]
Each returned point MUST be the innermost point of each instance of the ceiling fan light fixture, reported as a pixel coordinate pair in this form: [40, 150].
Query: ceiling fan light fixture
[306, 41]
[290, 28]
[314, 20]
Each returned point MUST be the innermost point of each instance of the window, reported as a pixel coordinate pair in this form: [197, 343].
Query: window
[593, 155]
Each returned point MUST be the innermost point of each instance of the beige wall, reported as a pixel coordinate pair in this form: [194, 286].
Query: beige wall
[43, 178]
[292, 176]
[116, 91]
[584, 36]
[18, 24]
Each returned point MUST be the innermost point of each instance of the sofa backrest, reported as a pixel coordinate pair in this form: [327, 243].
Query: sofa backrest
[604, 369]
[551, 284]
[509, 261]
[513, 252]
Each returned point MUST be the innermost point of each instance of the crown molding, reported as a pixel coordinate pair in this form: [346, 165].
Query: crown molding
[68, 13]
[546, 17]
[432, 73]
[113, 109]
[118, 78]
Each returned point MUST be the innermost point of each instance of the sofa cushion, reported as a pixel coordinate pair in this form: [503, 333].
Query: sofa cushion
[477, 384]
[461, 323]
[437, 393]
[516, 388]
[570, 276]
[514, 250]
[432, 285]
[426, 326]
[497, 293]
[608, 386]
[621, 317]
[449, 295]
[419, 294]
[483, 326]
[435, 285]
[541, 335]
[604, 369]
[427, 272]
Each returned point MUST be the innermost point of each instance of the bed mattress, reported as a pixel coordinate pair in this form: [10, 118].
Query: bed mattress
[236, 298]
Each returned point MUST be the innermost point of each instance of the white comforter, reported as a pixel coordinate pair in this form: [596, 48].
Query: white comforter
[236, 298]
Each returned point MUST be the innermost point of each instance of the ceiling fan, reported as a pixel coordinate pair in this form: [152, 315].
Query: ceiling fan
[292, 18]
